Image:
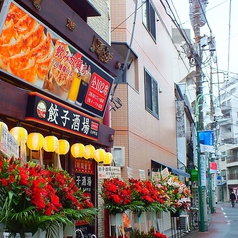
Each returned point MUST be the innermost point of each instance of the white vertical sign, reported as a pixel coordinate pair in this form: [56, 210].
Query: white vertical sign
[142, 174]
[203, 170]
[129, 172]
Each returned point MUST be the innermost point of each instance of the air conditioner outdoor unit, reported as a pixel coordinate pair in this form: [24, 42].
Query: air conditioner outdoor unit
[118, 153]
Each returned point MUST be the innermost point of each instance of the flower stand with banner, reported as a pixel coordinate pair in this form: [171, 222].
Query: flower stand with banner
[115, 223]
[49, 199]
[117, 199]
[146, 199]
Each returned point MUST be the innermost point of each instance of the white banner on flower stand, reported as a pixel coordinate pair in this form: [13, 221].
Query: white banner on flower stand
[116, 222]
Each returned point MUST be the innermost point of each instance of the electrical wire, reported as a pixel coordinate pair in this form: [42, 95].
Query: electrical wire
[204, 14]
[229, 40]
[120, 73]
[181, 31]
[128, 16]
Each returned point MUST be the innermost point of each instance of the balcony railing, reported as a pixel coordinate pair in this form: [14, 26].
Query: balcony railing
[232, 176]
[231, 159]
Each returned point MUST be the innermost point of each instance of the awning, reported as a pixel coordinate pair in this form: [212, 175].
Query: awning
[157, 165]
[222, 184]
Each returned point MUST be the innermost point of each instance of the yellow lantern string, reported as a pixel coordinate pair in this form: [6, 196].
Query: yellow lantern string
[89, 151]
[51, 143]
[63, 147]
[20, 134]
[35, 141]
[108, 158]
[77, 150]
[99, 155]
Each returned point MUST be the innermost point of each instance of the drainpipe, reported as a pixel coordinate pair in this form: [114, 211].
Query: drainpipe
[107, 122]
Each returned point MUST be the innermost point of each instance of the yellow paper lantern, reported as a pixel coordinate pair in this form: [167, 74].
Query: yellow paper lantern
[35, 141]
[89, 151]
[3, 124]
[63, 147]
[51, 143]
[77, 150]
[99, 155]
[20, 134]
[108, 158]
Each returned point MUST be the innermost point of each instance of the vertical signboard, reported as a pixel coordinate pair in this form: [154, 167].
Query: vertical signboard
[207, 141]
[85, 179]
[203, 170]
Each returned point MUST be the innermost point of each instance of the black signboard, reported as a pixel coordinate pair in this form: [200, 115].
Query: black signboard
[85, 179]
[52, 113]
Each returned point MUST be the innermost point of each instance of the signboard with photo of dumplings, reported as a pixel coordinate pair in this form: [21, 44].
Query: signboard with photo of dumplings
[32, 52]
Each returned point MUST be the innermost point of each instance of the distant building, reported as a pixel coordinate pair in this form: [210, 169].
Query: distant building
[229, 137]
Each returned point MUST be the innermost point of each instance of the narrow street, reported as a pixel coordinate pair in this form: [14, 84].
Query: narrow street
[223, 223]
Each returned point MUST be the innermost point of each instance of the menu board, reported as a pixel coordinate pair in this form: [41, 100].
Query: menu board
[35, 54]
[8, 144]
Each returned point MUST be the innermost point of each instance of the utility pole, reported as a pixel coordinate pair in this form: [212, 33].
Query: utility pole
[199, 92]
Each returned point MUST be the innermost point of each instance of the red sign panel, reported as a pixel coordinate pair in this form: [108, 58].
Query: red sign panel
[97, 93]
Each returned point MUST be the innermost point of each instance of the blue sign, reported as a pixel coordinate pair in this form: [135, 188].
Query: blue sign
[206, 139]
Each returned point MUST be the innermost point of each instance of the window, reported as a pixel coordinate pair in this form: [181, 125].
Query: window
[151, 95]
[149, 17]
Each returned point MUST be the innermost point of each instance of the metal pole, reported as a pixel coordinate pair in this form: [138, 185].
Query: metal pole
[210, 187]
[200, 190]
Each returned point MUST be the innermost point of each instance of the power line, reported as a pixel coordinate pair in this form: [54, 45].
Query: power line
[229, 40]
[128, 16]
[127, 56]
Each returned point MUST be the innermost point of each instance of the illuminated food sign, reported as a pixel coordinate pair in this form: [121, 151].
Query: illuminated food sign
[32, 52]
[49, 112]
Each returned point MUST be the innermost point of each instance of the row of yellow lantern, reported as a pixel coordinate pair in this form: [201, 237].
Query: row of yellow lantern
[35, 141]
[89, 152]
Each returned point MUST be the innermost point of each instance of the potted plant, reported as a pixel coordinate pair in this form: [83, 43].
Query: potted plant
[31, 199]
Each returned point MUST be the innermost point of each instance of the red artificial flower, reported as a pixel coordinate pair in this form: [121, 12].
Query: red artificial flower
[4, 182]
[159, 235]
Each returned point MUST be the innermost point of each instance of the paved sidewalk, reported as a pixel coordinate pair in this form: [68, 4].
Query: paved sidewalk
[216, 229]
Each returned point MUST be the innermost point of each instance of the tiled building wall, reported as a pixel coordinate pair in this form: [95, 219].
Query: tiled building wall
[101, 24]
[118, 25]
[149, 138]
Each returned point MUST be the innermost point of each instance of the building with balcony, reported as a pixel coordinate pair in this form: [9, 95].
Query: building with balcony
[228, 166]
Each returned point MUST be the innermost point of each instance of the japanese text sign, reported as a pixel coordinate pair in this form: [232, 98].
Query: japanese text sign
[53, 113]
[106, 172]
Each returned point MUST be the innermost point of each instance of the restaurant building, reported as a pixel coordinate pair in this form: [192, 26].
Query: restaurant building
[56, 75]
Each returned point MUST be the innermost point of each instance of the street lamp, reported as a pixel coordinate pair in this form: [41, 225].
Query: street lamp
[201, 182]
